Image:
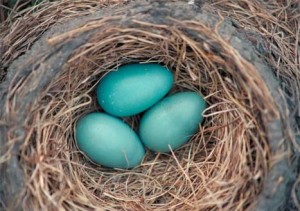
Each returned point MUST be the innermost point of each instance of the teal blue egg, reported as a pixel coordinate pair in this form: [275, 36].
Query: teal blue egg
[108, 141]
[133, 88]
[172, 121]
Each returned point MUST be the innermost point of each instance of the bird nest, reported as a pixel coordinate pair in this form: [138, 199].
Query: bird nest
[238, 159]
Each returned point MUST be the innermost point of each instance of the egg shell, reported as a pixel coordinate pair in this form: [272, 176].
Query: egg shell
[108, 141]
[133, 88]
[172, 121]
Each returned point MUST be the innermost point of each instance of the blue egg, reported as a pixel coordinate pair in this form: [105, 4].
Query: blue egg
[133, 88]
[108, 141]
[172, 121]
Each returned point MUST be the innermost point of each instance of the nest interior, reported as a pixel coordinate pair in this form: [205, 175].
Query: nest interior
[222, 167]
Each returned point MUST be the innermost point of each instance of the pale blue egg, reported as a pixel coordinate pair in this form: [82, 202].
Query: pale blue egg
[133, 88]
[108, 141]
[172, 121]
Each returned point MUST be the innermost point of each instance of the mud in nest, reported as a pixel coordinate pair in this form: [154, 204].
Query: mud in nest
[223, 166]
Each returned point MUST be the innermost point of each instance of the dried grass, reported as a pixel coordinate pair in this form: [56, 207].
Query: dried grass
[224, 164]
[278, 24]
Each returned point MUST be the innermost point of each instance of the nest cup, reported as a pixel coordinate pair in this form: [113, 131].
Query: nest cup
[224, 166]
